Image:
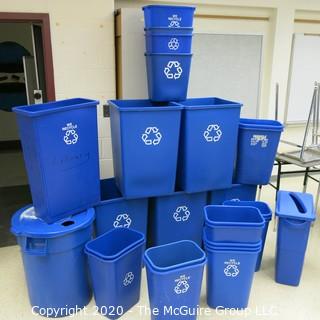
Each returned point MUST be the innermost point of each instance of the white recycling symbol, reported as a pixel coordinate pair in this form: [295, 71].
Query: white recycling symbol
[231, 270]
[123, 220]
[213, 133]
[256, 138]
[70, 137]
[173, 44]
[151, 136]
[173, 70]
[182, 213]
[174, 24]
[128, 279]
[182, 285]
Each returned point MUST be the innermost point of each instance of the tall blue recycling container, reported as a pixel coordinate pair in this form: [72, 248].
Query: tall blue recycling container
[174, 274]
[145, 138]
[114, 211]
[296, 212]
[60, 147]
[267, 215]
[115, 263]
[242, 192]
[257, 146]
[208, 144]
[168, 76]
[177, 217]
[168, 16]
[54, 261]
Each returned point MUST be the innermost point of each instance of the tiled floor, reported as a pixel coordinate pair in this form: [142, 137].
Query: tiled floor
[269, 300]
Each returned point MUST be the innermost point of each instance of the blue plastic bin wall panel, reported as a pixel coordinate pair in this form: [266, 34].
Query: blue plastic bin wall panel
[264, 236]
[168, 76]
[145, 156]
[63, 175]
[208, 149]
[177, 217]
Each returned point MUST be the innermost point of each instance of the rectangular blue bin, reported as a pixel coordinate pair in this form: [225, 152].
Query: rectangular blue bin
[242, 192]
[60, 147]
[177, 217]
[145, 139]
[115, 263]
[208, 144]
[114, 211]
[296, 212]
[257, 147]
[168, 76]
[168, 16]
[174, 275]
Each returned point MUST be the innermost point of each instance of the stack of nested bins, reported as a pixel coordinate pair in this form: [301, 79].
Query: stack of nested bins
[232, 239]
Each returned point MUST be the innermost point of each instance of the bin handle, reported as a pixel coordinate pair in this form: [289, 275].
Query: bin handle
[36, 246]
[298, 202]
[295, 225]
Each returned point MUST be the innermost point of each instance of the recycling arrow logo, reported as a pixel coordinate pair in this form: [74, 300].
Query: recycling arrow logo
[213, 133]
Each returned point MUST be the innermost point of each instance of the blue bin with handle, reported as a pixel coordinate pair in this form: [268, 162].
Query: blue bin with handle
[168, 16]
[177, 217]
[208, 144]
[267, 215]
[145, 138]
[54, 261]
[242, 192]
[168, 76]
[296, 213]
[174, 275]
[60, 148]
[258, 141]
[114, 211]
[115, 263]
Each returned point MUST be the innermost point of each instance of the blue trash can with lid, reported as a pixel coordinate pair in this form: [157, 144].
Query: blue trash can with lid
[208, 144]
[258, 141]
[296, 213]
[145, 138]
[60, 148]
[54, 260]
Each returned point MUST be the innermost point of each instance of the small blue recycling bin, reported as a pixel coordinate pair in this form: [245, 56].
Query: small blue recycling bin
[145, 138]
[54, 261]
[257, 146]
[177, 217]
[233, 224]
[267, 215]
[174, 275]
[115, 263]
[168, 16]
[168, 76]
[208, 144]
[114, 211]
[60, 147]
[242, 192]
[296, 212]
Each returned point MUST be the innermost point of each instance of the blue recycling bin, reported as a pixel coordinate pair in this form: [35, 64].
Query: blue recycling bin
[233, 224]
[145, 138]
[115, 263]
[242, 192]
[257, 146]
[208, 144]
[168, 16]
[177, 217]
[174, 275]
[60, 147]
[168, 76]
[296, 212]
[54, 261]
[114, 211]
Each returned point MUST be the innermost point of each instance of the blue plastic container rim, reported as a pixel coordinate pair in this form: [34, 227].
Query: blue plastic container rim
[199, 260]
[260, 124]
[37, 110]
[173, 55]
[140, 239]
[150, 6]
[235, 251]
[167, 35]
[25, 223]
[172, 31]
[142, 105]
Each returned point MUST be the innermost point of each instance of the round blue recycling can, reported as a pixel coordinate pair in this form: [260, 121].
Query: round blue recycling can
[174, 274]
[54, 261]
[168, 76]
[168, 16]
[115, 262]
